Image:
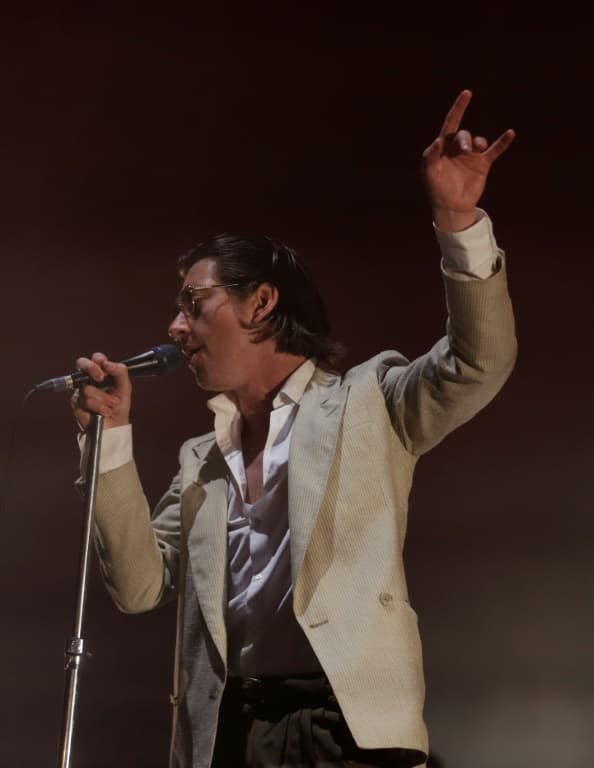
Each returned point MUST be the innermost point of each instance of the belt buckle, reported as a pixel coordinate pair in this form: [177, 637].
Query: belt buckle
[252, 687]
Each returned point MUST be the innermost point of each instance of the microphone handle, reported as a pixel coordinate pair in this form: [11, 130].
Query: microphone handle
[80, 379]
[139, 368]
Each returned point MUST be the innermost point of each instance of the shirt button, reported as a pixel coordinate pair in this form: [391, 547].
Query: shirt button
[385, 598]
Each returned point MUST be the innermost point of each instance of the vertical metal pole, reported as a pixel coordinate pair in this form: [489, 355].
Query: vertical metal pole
[75, 653]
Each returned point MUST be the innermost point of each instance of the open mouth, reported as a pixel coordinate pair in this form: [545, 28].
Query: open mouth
[189, 352]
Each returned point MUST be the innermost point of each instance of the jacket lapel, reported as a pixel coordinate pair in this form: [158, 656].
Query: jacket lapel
[204, 500]
[313, 446]
[204, 511]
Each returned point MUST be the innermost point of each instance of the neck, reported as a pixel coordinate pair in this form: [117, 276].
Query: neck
[255, 398]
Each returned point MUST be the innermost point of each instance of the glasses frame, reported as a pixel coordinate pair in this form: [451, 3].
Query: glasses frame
[179, 303]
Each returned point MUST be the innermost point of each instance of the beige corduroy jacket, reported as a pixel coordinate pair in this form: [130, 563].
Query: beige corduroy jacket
[355, 443]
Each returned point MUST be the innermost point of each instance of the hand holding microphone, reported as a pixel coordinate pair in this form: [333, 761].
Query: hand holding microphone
[102, 386]
[113, 403]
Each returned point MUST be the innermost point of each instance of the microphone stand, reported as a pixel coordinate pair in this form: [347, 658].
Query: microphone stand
[75, 652]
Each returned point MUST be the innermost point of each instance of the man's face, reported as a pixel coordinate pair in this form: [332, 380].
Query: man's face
[218, 349]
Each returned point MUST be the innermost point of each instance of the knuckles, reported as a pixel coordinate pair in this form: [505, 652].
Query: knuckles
[91, 399]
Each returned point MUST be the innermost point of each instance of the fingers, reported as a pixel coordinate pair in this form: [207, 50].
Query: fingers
[463, 141]
[500, 145]
[92, 367]
[479, 143]
[98, 367]
[91, 399]
[454, 116]
[120, 375]
[112, 402]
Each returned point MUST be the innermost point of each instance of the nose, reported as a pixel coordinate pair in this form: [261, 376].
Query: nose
[178, 328]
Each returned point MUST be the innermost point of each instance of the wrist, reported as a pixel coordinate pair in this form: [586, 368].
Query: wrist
[448, 220]
[113, 423]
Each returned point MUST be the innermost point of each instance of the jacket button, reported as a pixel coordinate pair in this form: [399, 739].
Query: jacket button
[385, 598]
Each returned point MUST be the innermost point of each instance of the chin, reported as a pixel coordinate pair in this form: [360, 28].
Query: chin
[204, 382]
[201, 380]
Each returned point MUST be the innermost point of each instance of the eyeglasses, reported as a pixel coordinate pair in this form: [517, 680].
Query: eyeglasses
[190, 295]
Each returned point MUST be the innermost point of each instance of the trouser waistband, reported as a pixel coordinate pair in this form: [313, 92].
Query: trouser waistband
[307, 689]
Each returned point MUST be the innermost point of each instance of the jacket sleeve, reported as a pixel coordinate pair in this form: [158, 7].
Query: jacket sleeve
[462, 372]
[139, 556]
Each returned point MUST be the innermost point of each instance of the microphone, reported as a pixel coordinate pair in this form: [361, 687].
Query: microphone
[155, 362]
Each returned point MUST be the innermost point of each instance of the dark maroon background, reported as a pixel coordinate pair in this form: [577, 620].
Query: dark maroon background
[127, 138]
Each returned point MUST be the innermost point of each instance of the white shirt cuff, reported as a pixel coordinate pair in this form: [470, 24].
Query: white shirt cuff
[116, 448]
[472, 252]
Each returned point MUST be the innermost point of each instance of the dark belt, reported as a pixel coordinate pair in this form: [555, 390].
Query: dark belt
[305, 690]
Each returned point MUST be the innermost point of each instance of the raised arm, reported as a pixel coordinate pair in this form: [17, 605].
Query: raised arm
[437, 392]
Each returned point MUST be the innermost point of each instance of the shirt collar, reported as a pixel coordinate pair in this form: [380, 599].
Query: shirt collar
[294, 386]
[291, 392]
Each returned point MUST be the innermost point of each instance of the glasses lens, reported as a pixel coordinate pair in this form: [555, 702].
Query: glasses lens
[185, 301]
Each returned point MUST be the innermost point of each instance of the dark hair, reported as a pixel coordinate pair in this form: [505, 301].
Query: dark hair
[299, 323]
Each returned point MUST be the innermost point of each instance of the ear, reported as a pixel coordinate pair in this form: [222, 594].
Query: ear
[264, 299]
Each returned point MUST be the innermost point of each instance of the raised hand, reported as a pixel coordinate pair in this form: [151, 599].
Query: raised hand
[456, 166]
[113, 403]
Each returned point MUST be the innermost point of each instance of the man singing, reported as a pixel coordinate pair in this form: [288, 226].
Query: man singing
[281, 537]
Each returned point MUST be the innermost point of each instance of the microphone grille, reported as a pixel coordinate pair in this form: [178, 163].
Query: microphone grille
[168, 357]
